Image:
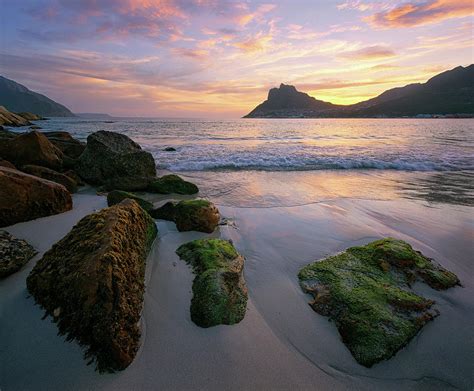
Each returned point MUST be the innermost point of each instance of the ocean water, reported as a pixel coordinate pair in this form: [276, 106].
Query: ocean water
[294, 144]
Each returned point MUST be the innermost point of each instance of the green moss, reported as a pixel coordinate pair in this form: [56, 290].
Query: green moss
[219, 292]
[364, 290]
[117, 196]
[169, 184]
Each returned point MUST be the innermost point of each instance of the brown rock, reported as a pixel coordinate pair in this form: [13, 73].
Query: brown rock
[25, 197]
[8, 118]
[92, 282]
[31, 148]
[66, 143]
[14, 254]
[51, 175]
[7, 164]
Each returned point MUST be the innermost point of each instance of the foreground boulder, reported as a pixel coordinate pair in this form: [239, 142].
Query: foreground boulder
[14, 254]
[51, 175]
[31, 148]
[169, 184]
[110, 156]
[25, 197]
[92, 282]
[365, 291]
[219, 290]
[68, 145]
[117, 196]
[190, 215]
[8, 118]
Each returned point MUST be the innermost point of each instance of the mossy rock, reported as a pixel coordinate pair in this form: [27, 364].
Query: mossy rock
[219, 290]
[365, 291]
[190, 215]
[170, 184]
[92, 282]
[117, 196]
[14, 254]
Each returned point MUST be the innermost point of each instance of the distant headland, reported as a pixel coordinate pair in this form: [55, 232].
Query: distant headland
[448, 94]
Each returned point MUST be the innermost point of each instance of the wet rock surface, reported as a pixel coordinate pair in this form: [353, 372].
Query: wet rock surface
[190, 215]
[25, 197]
[14, 254]
[366, 292]
[169, 184]
[92, 282]
[219, 290]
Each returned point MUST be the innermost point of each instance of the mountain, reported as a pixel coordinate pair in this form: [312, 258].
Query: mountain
[17, 98]
[449, 93]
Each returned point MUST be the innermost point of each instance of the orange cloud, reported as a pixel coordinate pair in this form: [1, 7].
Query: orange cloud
[416, 14]
[369, 53]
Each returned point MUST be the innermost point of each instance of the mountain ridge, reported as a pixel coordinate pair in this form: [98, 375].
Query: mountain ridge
[448, 93]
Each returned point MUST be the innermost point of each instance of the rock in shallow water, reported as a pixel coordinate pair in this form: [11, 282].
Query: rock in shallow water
[117, 196]
[25, 197]
[219, 290]
[365, 291]
[14, 254]
[92, 282]
[169, 184]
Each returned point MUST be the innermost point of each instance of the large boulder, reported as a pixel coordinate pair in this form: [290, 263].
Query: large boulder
[69, 146]
[117, 196]
[8, 118]
[110, 156]
[31, 148]
[14, 254]
[92, 282]
[25, 197]
[219, 290]
[51, 175]
[190, 215]
[366, 292]
[169, 184]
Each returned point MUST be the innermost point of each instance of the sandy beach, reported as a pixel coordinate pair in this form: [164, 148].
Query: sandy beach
[281, 343]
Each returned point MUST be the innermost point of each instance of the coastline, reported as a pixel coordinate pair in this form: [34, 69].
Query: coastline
[281, 343]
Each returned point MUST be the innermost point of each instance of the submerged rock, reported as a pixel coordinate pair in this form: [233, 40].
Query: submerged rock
[69, 146]
[92, 282]
[190, 215]
[219, 290]
[14, 254]
[364, 290]
[117, 196]
[51, 175]
[31, 148]
[111, 156]
[25, 197]
[169, 184]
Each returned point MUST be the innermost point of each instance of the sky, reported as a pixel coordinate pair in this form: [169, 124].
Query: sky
[219, 58]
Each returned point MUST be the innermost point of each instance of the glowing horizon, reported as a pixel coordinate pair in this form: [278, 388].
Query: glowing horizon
[219, 58]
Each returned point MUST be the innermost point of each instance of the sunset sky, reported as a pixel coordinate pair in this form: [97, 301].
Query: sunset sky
[217, 58]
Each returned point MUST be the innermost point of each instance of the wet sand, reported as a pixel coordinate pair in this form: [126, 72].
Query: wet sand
[279, 222]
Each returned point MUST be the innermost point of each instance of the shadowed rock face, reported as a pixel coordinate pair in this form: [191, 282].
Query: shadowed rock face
[92, 282]
[66, 143]
[110, 156]
[117, 196]
[219, 290]
[14, 254]
[25, 197]
[51, 175]
[365, 290]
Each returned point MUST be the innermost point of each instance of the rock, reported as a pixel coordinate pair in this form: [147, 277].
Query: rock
[365, 291]
[66, 143]
[73, 175]
[6, 134]
[14, 254]
[92, 282]
[7, 164]
[30, 116]
[219, 290]
[128, 183]
[169, 149]
[190, 215]
[35, 127]
[25, 197]
[51, 175]
[169, 184]
[117, 196]
[11, 119]
[31, 148]
[110, 156]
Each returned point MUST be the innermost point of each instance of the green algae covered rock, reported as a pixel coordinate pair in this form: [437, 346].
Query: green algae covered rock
[219, 290]
[117, 196]
[92, 282]
[169, 184]
[190, 215]
[365, 291]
